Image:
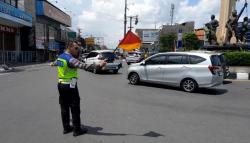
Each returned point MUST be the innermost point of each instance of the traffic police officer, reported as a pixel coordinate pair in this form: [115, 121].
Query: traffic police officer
[69, 99]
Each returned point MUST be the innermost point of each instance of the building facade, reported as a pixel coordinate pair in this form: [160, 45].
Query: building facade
[38, 28]
[186, 27]
[13, 20]
[51, 32]
[150, 39]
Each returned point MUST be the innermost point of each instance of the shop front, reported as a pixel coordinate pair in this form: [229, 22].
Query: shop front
[12, 20]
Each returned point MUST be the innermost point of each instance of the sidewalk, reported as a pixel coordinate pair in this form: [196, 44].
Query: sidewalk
[239, 73]
[16, 67]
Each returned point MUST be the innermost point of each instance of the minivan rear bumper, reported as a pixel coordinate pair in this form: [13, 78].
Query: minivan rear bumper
[216, 81]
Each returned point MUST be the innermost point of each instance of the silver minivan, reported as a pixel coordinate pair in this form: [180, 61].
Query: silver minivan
[187, 70]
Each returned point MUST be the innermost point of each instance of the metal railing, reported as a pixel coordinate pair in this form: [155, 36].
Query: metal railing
[17, 57]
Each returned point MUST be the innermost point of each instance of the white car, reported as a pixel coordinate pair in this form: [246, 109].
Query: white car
[94, 58]
[134, 57]
[188, 70]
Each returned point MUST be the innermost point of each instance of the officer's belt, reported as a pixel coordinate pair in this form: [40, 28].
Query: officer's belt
[64, 81]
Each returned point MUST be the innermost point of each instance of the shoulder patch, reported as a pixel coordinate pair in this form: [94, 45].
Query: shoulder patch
[59, 63]
[65, 56]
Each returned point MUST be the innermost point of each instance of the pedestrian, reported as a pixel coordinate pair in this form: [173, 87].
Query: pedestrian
[69, 99]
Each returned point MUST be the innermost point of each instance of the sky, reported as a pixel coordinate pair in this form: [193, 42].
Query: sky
[105, 18]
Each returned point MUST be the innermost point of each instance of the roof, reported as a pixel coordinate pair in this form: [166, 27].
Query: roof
[193, 53]
[101, 51]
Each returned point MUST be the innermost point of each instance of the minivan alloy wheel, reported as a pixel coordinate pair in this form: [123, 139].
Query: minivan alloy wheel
[189, 85]
[134, 78]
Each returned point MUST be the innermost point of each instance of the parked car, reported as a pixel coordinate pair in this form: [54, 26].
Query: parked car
[83, 56]
[134, 57]
[94, 58]
[187, 70]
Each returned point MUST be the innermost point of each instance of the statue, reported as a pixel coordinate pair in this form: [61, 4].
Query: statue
[243, 31]
[212, 27]
[232, 25]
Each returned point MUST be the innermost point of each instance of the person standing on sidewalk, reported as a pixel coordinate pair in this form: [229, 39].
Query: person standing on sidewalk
[69, 99]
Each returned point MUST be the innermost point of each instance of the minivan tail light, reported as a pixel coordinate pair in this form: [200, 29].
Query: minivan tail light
[213, 69]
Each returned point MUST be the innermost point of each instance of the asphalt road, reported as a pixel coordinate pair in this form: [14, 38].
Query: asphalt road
[117, 112]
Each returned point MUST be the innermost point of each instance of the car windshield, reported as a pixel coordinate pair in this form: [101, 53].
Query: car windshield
[108, 55]
[134, 54]
[215, 60]
[222, 58]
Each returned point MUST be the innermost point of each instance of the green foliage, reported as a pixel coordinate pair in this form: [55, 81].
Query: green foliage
[167, 42]
[238, 58]
[190, 41]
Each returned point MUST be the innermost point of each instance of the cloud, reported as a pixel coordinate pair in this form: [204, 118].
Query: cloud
[88, 16]
[78, 2]
[200, 13]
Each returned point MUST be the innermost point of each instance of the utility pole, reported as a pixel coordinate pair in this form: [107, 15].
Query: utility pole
[3, 50]
[125, 18]
[79, 32]
[172, 13]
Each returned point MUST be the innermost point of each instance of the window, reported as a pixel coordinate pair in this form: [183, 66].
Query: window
[108, 55]
[159, 60]
[184, 59]
[20, 4]
[174, 59]
[196, 59]
[215, 60]
[14, 3]
[91, 55]
[7, 1]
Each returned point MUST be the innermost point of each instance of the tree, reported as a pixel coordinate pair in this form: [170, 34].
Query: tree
[167, 42]
[190, 41]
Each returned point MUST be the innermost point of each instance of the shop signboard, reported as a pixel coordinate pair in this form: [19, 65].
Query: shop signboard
[39, 44]
[15, 14]
[150, 36]
[7, 29]
[90, 41]
[46, 9]
[71, 35]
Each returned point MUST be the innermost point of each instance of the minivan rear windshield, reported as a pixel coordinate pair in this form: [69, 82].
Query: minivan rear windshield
[215, 60]
[108, 55]
[134, 54]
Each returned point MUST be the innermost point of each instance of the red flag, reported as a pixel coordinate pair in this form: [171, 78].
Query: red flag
[130, 42]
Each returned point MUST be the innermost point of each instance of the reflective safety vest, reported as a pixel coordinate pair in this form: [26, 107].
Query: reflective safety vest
[65, 73]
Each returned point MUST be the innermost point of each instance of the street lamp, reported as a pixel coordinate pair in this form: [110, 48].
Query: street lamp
[131, 18]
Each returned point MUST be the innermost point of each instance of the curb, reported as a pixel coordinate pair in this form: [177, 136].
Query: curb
[239, 76]
[31, 66]
[22, 67]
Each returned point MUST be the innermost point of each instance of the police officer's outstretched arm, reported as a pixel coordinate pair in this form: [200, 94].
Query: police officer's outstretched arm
[75, 63]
